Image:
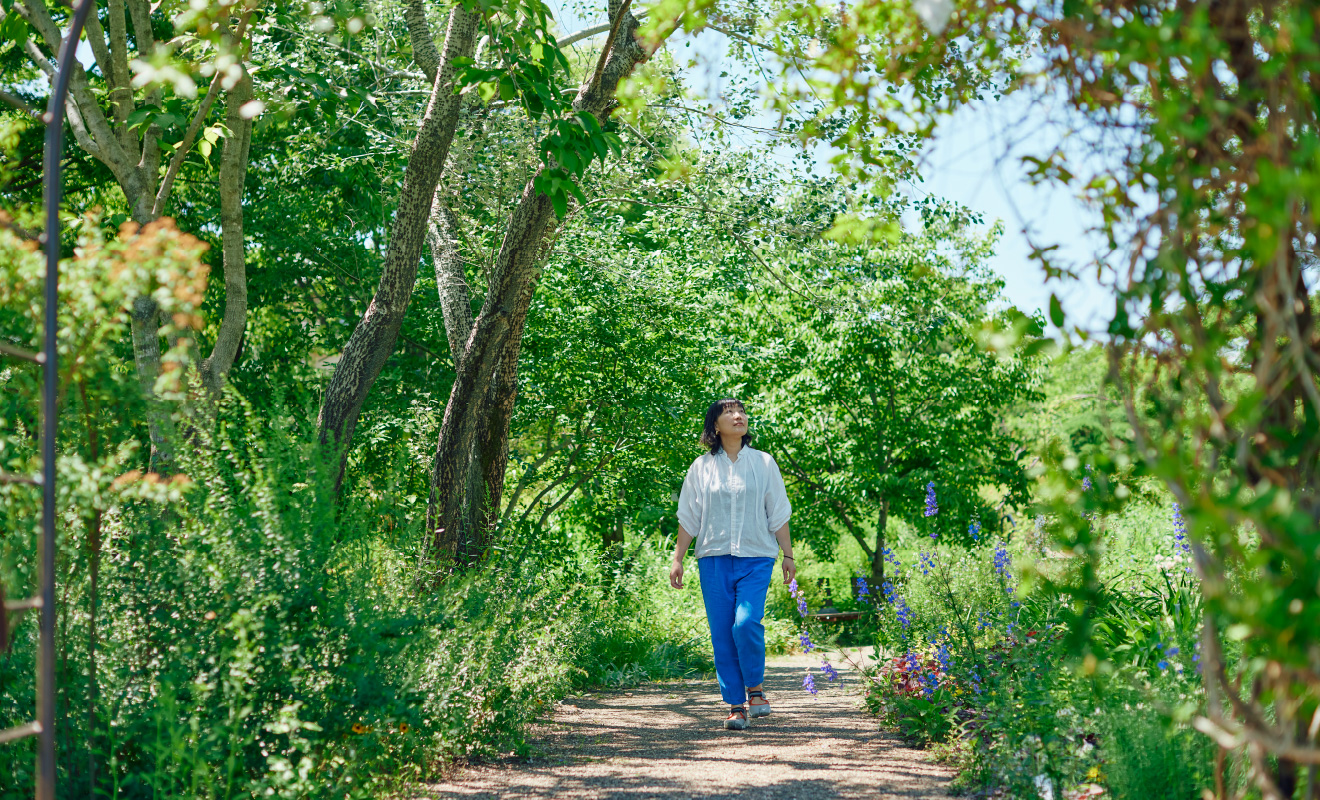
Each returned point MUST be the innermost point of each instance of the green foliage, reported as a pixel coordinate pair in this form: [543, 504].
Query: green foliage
[870, 379]
[252, 636]
[985, 667]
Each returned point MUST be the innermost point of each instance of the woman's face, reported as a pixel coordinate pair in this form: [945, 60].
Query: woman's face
[732, 421]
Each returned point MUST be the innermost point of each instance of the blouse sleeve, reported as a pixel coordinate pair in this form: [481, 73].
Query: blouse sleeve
[690, 501]
[777, 507]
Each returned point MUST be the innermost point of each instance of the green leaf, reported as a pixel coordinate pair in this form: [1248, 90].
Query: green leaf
[1056, 311]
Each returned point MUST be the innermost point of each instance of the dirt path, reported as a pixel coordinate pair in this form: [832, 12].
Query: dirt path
[665, 741]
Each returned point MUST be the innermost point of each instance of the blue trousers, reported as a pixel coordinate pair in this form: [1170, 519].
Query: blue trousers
[734, 588]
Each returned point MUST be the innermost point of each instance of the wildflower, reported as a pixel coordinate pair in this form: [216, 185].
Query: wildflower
[1180, 531]
[929, 683]
[809, 684]
[1002, 560]
[403, 727]
[892, 558]
[932, 506]
[862, 589]
[904, 614]
[359, 728]
[793, 587]
[944, 658]
[891, 594]
[976, 683]
[807, 646]
[974, 531]
[802, 605]
[1163, 665]
[927, 562]
[1170, 651]
[1086, 481]
[831, 674]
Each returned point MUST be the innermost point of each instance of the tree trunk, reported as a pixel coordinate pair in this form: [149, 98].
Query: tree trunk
[467, 476]
[373, 341]
[233, 170]
[878, 555]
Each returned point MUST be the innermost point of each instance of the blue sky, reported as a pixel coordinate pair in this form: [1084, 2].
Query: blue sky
[974, 160]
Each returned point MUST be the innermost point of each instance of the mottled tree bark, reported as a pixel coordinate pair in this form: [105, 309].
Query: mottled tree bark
[373, 340]
[450, 279]
[467, 476]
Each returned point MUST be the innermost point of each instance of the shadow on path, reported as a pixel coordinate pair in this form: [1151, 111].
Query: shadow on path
[665, 740]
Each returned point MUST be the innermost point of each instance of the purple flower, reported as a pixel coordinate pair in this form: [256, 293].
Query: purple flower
[862, 589]
[1180, 531]
[929, 683]
[932, 507]
[809, 684]
[892, 559]
[1163, 664]
[1086, 480]
[830, 673]
[927, 562]
[802, 606]
[1002, 561]
[974, 530]
[943, 656]
[903, 614]
[793, 587]
[807, 646]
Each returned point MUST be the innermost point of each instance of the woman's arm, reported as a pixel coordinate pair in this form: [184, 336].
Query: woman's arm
[785, 544]
[680, 550]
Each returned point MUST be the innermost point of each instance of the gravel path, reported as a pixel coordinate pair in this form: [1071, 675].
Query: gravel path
[665, 740]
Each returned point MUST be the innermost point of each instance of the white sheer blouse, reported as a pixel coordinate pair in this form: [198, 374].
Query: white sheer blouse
[734, 507]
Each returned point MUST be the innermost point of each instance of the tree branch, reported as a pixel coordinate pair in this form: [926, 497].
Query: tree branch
[450, 281]
[19, 103]
[587, 33]
[425, 54]
[120, 80]
[233, 169]
[199, 118]
[609, 43]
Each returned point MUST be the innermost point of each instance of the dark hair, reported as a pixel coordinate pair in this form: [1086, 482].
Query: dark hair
[709, 437]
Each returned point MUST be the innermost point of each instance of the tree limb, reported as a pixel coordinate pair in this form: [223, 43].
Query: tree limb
[609, 43]
[233, 169]
[450, 280]
[19, 103]
[423, 44]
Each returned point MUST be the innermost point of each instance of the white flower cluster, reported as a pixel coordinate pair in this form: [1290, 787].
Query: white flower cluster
[1173, 563]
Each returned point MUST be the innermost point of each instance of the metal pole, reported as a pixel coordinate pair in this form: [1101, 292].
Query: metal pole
[49, 393]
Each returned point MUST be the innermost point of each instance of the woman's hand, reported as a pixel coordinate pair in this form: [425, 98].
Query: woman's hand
[790, 570]
[676, 574]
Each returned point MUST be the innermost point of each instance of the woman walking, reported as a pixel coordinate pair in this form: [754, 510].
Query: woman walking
[734, 504]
